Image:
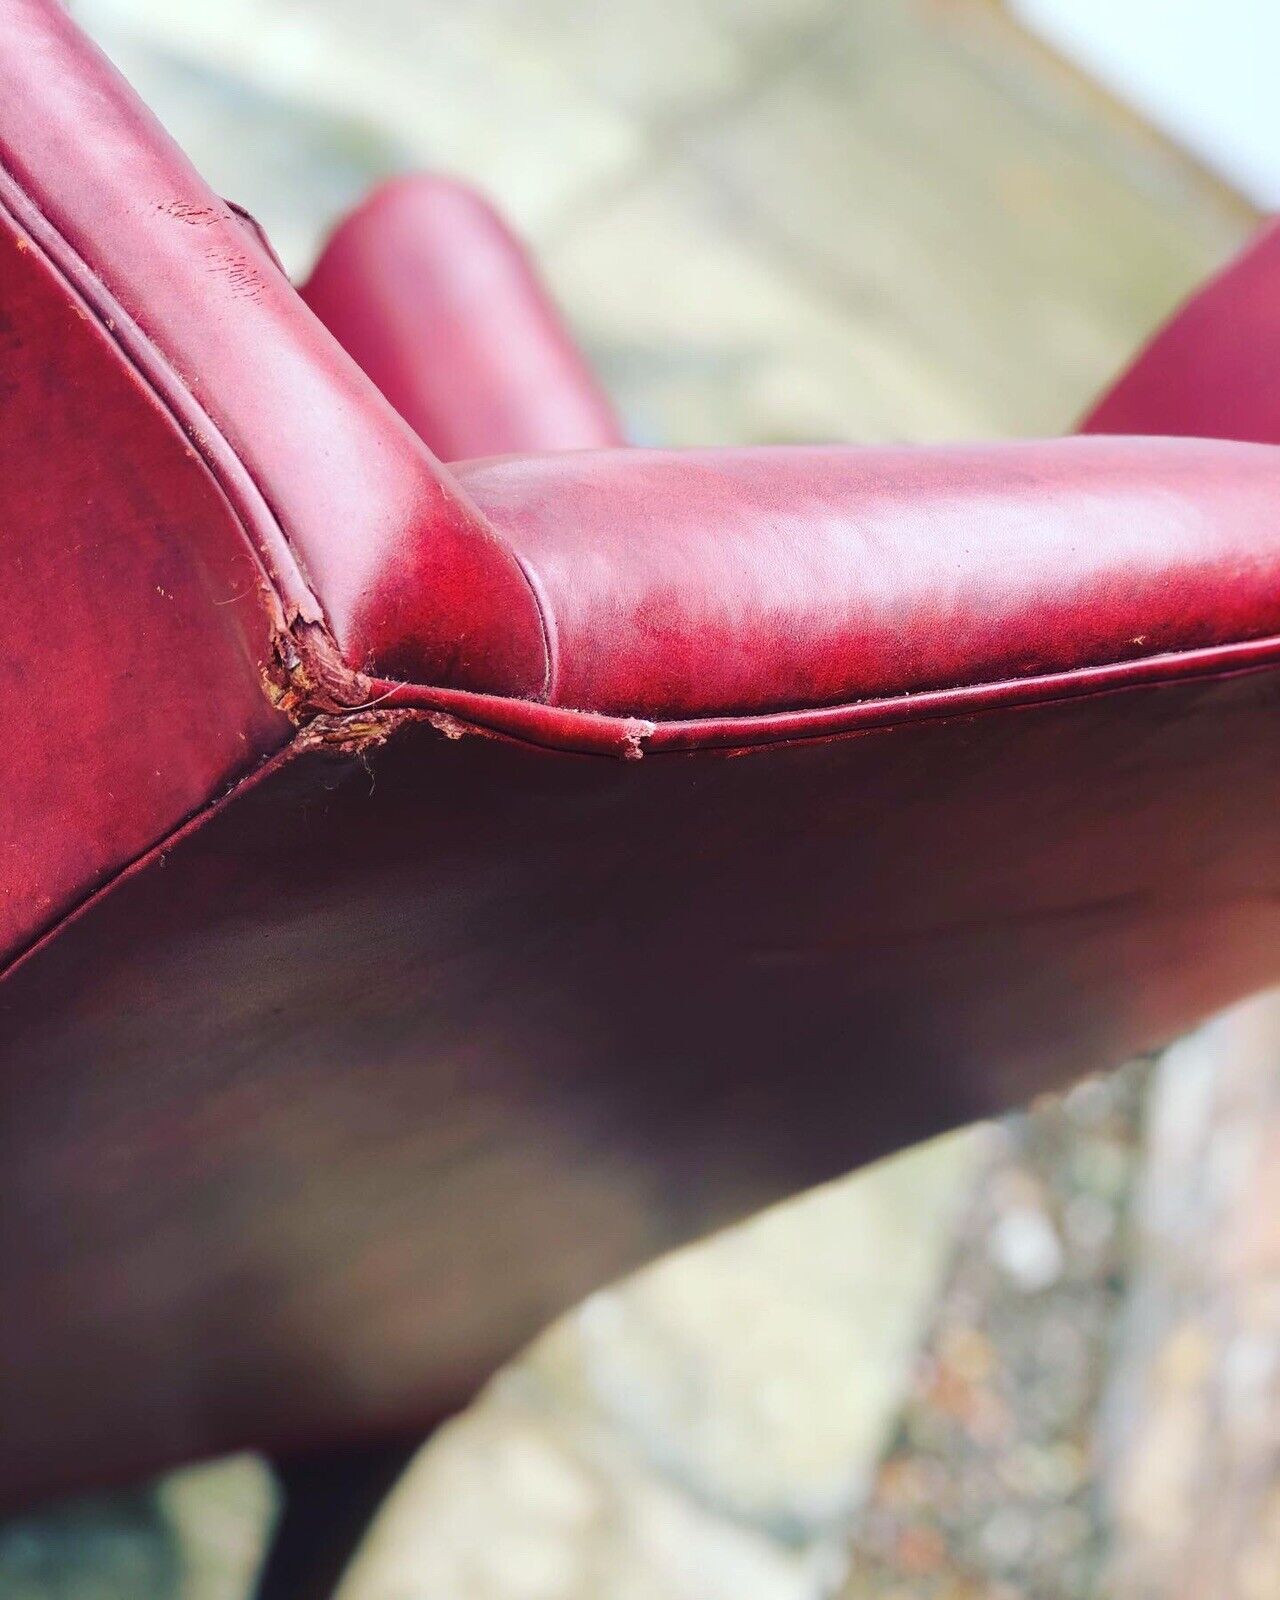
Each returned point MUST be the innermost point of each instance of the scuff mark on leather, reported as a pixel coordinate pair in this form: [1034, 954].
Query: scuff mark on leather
[234, 265]
[239, 271]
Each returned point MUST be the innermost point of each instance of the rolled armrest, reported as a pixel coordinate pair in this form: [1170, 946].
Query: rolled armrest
[429, 290]
[1213, 370]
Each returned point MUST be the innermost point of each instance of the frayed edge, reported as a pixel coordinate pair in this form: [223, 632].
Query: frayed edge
[307, 676]
[351, 734]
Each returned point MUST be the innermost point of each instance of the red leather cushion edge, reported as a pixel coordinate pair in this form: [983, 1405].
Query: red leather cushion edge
[457, 714]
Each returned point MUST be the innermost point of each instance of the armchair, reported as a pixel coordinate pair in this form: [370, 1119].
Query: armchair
[429, 890]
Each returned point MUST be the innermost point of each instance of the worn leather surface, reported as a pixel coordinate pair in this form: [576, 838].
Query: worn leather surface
[1214, 368]
[429, 290]
[658, 833]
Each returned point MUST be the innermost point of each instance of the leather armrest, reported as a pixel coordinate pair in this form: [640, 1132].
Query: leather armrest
[1213, 370]
[435, 298]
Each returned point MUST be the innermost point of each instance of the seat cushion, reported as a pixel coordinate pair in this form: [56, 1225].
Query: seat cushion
[723, 583]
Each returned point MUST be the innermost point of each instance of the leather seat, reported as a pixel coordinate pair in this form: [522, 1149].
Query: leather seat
[429, 890]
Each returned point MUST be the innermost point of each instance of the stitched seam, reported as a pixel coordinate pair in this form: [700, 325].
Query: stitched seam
[982, 686]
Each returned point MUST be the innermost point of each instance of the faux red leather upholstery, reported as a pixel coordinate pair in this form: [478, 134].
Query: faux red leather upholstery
[394, 950]
[1213, 370]
[426, 286]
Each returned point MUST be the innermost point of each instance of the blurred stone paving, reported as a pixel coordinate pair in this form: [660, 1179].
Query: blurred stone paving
[1032, 1362]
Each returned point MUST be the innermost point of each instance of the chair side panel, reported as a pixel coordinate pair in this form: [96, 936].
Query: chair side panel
[135, 635]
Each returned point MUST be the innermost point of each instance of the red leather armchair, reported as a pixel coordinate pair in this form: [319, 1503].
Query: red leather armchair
[429, 890]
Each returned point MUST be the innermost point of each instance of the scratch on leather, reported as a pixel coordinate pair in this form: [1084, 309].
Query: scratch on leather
[195, 216]
[244, 278]
[224, 259]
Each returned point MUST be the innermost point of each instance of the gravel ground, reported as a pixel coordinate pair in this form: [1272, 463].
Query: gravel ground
[988, 1487]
